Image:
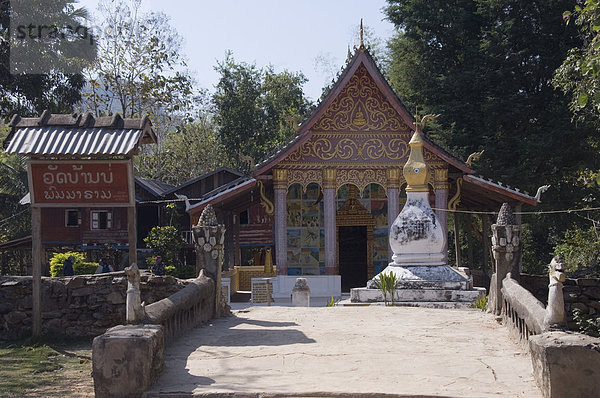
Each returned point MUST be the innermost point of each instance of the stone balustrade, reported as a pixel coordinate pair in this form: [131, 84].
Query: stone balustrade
[521, 311]
[185, 309]
[565, 364]
[128, 359]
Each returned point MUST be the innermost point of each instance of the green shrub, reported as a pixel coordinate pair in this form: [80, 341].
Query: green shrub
[181, 272]
[387, 283]
[580, 250]
[85, 268]
[165, 242]
[587, 324]
[480, 303]
[331, 302]
[58, 259]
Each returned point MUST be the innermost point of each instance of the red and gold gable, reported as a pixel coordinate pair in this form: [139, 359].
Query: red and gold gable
[360, 128]
[361, 106]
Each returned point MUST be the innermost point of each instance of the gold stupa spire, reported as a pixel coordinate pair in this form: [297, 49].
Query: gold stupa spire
[415, 170]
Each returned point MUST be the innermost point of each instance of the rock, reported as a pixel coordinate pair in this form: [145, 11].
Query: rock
[127, 359]
[585, 282]
[52, 315]
[5, 307]
[15, 317]
[115, 298]
[580, 306]
[593, 292]
[84, 291]
[54, 326]
[570, 297]
[76, 282]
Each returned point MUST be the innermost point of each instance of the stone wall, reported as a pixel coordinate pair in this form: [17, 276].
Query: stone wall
[583, 293]
[75, 306]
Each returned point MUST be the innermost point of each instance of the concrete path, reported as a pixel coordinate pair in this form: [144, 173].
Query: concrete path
[363, 351]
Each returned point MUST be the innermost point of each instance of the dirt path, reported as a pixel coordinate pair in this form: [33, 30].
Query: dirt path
[457, 353]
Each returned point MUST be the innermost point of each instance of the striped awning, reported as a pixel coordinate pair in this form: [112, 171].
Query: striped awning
[61, 141]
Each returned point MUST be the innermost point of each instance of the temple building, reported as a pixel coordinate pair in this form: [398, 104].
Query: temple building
[325, 202]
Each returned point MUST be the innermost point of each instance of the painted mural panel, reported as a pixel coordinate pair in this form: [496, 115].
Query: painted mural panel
[305, 233]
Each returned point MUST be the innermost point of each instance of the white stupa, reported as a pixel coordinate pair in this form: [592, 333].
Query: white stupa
[418, 242]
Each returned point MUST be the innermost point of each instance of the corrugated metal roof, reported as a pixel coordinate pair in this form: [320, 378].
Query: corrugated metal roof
[61, 141]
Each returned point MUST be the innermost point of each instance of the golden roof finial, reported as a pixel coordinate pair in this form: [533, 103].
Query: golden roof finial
[361, 44]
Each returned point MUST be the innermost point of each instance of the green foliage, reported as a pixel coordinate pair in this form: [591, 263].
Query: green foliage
[480, 303]
[579, 74]
[588, 324]
[190, 150]
[80, 266]
[166, 242]
[15, 218]
[580, 250]
[139, 67]
[331, 302]
[256, 110]
[29, 94]
[387, 283]
[181, 272]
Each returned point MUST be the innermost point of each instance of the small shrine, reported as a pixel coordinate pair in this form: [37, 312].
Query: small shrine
[418, 240]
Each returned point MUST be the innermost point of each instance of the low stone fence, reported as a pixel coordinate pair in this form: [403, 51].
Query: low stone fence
[521, 311]
[127, 359]
[185, 309]
[84, 305]
[565, 364]
[582, 294]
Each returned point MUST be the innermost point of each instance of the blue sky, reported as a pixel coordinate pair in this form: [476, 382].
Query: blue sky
[288, 34]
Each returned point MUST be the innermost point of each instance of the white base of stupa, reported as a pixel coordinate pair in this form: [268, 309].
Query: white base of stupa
[422, 284]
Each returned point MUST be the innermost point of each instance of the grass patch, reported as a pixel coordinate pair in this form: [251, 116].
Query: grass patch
[27, 365]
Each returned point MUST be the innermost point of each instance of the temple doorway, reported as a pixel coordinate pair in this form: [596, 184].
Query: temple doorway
[353, 256]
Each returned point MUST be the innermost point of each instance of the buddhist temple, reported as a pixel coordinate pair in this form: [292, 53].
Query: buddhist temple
[325, 202]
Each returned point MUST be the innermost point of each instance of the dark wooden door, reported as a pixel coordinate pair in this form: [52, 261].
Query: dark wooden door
[353, 256]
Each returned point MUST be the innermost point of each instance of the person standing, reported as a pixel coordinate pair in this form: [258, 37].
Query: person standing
[68, 266]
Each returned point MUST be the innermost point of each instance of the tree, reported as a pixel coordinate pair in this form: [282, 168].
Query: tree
[30, 93]
[487, 68]
[191, 150]
[139, 69]
[578, 76]
[256, 110]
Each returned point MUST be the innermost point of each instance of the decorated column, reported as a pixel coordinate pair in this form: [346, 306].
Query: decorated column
[329, 210]
[209, 237]
[506, 247]
[393, 196]
[280, 222]
[441, 202]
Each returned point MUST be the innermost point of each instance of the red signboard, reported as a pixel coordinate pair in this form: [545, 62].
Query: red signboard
[80, 183]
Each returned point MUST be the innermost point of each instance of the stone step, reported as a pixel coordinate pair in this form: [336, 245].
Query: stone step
[364, 295]
[423, 304]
